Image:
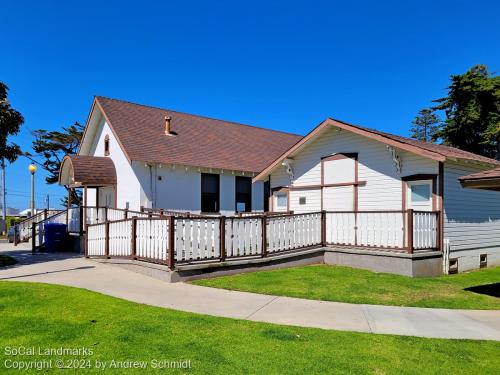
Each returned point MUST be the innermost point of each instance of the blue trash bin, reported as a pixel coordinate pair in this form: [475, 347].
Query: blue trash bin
[55, 237]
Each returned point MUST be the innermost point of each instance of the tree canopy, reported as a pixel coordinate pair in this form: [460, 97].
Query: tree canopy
[52, 146]
[426, 126]
[471, 113]
[10, 124]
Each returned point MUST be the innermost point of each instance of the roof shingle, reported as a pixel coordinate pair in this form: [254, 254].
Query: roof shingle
[199, 141]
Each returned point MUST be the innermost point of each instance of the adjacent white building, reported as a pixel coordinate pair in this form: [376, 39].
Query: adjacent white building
[342, 167]
[134, 156]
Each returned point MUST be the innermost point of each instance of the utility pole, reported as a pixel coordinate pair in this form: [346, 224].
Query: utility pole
[4, 205]
[47, 202]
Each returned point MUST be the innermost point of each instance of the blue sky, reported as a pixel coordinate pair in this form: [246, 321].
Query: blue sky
[282, 65]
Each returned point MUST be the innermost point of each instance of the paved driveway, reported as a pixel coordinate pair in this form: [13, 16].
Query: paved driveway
[76, 271]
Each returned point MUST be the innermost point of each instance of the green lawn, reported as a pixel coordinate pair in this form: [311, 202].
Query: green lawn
[344, 284]
[6, 260]
[50, 316]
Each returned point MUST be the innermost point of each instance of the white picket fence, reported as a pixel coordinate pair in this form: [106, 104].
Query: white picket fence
[424, 230]
[207, 239]
[383, 229]
[291, 232]
[96, 240]
[243, 236]
[197, 239]
[151, 239]
[24, 228]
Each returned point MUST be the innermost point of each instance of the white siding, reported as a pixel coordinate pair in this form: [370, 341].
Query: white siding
[383, 183]
[313, 200]
[472, 219]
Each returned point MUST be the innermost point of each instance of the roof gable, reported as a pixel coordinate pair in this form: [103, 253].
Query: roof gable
[429, 150]
[199, 141]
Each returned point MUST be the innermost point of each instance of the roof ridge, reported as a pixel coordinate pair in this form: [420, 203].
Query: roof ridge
[407, 140]
[199, 116]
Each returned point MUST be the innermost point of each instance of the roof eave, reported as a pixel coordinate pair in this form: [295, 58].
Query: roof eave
[332, 122]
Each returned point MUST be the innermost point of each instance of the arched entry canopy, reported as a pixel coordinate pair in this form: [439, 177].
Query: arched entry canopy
[87, 171]
[95, 172]
[487, 180]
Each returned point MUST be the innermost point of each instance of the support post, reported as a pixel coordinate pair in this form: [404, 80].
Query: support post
[81, 218]
[33, 237]
[133, 245]
[323, 228]
[86, 244]
[106, 240]
[84, 209]
[106, 213]
[410, 230]
[222, 239]
[438, 231]
[44, 214]
[264, 235]
[171, 242]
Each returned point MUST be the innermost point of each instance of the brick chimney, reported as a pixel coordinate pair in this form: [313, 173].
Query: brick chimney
[168, 129]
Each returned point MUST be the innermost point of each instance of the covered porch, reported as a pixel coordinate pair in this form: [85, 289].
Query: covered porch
[90, 172]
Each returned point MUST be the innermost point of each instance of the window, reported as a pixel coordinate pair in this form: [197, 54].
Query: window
[106, 145]
[209, 192]
[243, 201]
[282, 200]
[420, 193]
[302, 200]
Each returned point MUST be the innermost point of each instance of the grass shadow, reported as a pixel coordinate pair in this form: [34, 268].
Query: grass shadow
[492, 290]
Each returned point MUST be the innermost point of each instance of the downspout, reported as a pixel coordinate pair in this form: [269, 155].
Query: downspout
[151, 188]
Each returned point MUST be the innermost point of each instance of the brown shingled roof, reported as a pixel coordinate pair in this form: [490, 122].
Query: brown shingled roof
[444, 150]
[492, 173]
[488, 180]
[89, 171]
[199, 141]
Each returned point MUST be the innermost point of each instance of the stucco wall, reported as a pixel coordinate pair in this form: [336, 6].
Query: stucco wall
[180, 189]
[138, 184]
[128, 184]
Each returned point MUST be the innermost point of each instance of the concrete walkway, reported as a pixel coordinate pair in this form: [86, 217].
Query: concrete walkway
[114, 281]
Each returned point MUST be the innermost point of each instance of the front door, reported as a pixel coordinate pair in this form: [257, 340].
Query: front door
[419, 195]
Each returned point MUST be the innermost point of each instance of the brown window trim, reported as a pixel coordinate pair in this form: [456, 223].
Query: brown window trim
[307, 187]
[281, 189]
[420, 177]
[355, 183]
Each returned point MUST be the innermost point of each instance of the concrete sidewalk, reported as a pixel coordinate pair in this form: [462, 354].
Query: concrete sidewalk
[115, 281]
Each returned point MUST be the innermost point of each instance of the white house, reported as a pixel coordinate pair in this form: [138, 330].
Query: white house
[134, 156]
[343, 167]
[376, 191]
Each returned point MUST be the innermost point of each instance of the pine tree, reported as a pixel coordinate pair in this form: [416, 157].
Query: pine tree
[426, 126]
